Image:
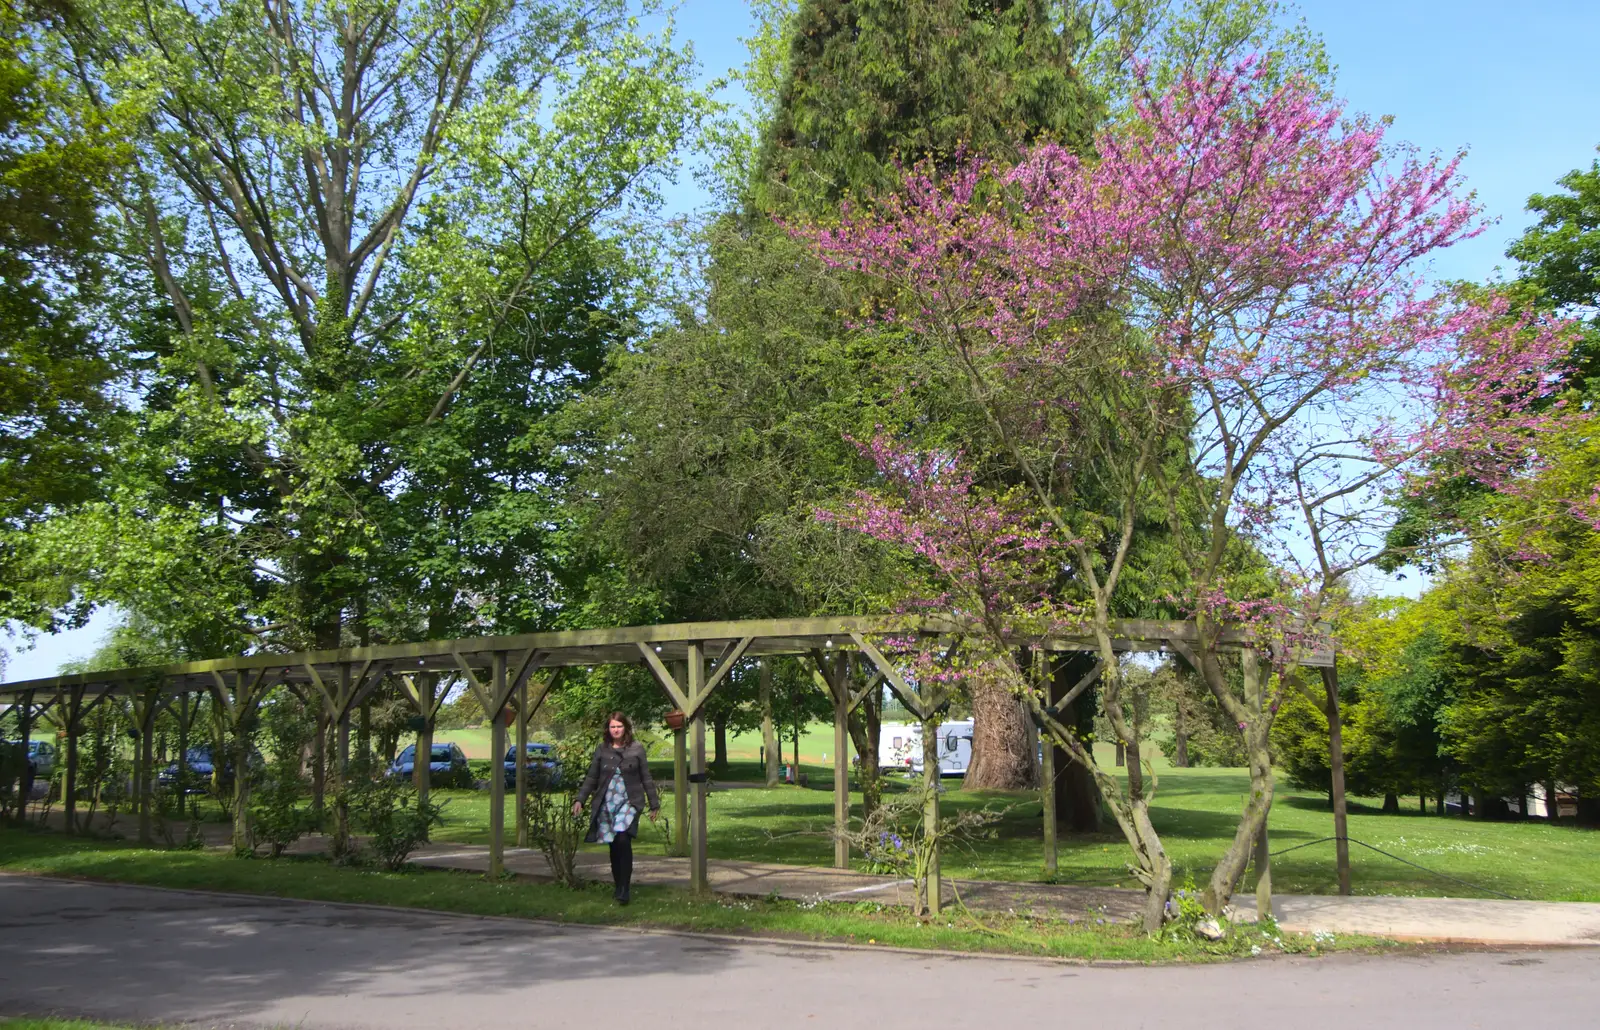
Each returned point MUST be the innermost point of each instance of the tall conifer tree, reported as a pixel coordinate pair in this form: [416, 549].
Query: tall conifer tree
[873, 83]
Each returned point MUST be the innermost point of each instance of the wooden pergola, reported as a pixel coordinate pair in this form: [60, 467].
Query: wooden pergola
[512, 675]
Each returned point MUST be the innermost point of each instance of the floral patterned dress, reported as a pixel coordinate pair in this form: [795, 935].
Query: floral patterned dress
[616, 813]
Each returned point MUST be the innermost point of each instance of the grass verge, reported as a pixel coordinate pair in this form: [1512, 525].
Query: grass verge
[39, 852]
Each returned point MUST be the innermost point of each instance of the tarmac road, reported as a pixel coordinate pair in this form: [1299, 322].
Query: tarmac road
[131, 954]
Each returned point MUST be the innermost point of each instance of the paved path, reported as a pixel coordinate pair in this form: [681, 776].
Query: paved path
[1461, 920]
[138, 955]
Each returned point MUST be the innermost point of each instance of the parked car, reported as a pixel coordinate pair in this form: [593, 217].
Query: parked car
[542, 766]
[202, 768]
[447, 765]
[41, 756]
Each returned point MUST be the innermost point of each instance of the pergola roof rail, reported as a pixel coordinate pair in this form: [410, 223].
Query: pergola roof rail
[753, 638]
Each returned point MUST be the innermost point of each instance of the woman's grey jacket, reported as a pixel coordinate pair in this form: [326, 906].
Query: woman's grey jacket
[631, 762]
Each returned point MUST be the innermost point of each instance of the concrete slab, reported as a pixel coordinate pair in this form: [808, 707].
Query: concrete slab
[1458, 920]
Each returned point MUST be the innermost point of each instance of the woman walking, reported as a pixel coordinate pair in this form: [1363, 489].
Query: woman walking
[619, 782]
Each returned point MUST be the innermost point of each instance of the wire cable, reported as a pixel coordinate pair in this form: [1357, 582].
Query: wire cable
[1406, 861]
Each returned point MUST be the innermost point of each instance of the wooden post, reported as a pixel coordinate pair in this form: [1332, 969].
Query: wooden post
[24, 709]
[341, 827]
[183, 752]
[74, 705]
[497, 779]
[698, 880]
[841, 765]
[22, 706]
[427, 695]
[521, 765]
[680, 780]
[770, 748]
[1047, 768]
[319, 767]
[1047, 794]
[930, 808]
[144, 710]
[1341, 821]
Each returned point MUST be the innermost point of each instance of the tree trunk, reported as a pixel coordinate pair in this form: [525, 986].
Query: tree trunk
[1122, 755]
[1552, 810]
[1131, 806]
[1001, 759]
[1230, 868]
[719, 754]
[1391, 801]
[1077, 795]
[866, 725]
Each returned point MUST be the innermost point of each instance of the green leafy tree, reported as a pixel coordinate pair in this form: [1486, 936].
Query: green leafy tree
[56, 408]
[382, 242]
[871, 85]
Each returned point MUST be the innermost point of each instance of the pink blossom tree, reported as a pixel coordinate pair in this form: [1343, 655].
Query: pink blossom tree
[1221, 322]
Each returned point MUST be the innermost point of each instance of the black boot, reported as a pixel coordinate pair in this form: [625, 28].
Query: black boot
[622, 874]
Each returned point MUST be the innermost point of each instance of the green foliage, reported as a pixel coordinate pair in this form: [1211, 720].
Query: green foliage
[396, 819]
[334, 351]
[870, 85]
[1493, 678]
[276, 818]
[1177, 36]
[56, 403]
[553, 825]
[1185, 912]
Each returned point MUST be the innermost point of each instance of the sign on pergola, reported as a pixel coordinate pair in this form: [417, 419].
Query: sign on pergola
[688, 660]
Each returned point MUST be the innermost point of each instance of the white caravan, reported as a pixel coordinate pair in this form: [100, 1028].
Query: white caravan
[900, 747]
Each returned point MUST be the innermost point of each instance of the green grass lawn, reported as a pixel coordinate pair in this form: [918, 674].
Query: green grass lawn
[1195, 810]
[34, 851]
[816, 741]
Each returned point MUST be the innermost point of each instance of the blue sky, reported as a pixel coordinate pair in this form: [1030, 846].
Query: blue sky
[1516, 84]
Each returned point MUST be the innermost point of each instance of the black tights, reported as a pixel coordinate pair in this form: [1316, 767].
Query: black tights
[622, 863]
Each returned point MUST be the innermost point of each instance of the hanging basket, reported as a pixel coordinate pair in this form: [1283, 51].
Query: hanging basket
[675, 720]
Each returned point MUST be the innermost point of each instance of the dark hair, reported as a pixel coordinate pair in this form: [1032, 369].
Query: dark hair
[627, 729]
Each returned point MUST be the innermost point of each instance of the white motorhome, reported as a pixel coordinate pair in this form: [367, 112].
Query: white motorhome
[900, 747]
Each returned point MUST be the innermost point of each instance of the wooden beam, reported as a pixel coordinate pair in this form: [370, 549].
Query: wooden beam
[865, 692]
[664, 678]
[474, 684]
[730, 655]
[913, 700]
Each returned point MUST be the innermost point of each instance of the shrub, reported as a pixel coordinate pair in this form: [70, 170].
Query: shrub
[552, 827]
[275, 815]
[397, 820]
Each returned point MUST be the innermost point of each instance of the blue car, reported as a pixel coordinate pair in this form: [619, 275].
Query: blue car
[201, 768]
[447, 765]
[542, 766]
